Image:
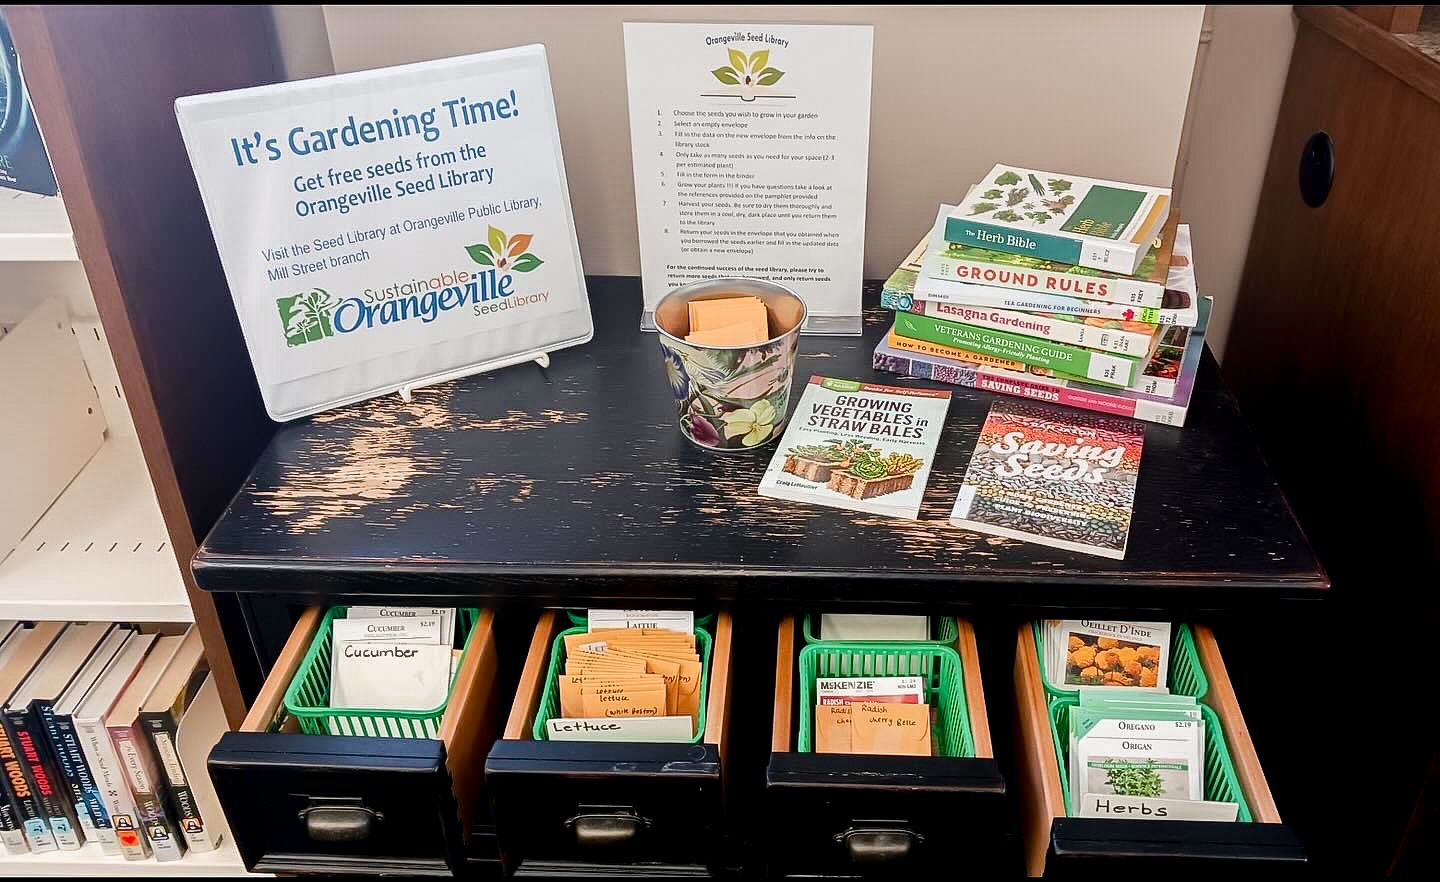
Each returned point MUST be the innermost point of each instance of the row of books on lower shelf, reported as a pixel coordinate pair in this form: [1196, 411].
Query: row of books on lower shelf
[91, 740]
[1001, 319]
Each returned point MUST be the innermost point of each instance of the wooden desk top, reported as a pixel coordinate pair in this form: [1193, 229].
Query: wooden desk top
[573, 485]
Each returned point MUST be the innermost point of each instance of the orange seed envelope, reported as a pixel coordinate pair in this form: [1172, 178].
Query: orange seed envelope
[890, 728]
[832, 728]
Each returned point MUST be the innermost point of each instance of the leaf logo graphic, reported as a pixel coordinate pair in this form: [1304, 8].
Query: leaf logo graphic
[505, 252]
[306, 317]
[748, 70]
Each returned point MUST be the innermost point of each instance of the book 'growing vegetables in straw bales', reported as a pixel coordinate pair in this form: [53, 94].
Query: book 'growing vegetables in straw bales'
[858, 446]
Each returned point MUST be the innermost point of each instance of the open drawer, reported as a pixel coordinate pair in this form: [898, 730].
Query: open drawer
[597, 808]
[341, 804]
[845, 815]
[1056, 844]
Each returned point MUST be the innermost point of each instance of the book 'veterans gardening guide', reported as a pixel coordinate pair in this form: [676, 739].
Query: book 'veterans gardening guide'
[1056, 478]
[859, 446]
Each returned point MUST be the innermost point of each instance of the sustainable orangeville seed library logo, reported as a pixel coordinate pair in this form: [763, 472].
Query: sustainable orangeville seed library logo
[314, 315]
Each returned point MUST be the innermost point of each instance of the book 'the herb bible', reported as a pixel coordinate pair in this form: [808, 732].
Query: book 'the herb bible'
[974, 265]
[1104, 225]
[859, 446]
[1055, 478]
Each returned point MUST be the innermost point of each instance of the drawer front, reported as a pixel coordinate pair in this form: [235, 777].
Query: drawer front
[349, 804]
[1057, 845]
[647, 810]
[309, 803]
[590, 805]
[842, 815]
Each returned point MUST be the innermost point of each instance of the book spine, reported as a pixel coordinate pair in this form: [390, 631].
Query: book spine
[139, 768]
[941, 350]
[1047, 246]
[1036, 390]
[161, 729]
[114, 791]
[88, 805]
[921, 303]
[69, 780]
[59, 801]
[12, 782]
[34, 818]
[1158, 387]
[1131, 292]
[1097, 367]
[1074, 333]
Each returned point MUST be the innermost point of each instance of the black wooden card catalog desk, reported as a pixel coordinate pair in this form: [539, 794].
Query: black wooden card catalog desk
[572, 487]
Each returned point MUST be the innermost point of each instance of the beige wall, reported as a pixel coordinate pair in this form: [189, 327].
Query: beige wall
[1232, 120]
[955, 89]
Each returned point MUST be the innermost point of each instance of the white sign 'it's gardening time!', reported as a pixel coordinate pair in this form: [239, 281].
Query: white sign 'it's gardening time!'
[386, 227]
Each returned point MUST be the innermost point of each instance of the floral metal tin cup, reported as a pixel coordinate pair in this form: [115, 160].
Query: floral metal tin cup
[731, 398]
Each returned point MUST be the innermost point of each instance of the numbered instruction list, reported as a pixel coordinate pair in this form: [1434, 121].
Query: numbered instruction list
[751, 148]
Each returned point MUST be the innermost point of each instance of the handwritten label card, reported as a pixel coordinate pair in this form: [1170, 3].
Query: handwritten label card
[751, 145]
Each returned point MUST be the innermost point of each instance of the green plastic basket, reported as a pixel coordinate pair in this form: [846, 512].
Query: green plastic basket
[1221, 783]
[940, 666]
[550, 696]
[945, 629]
[307, 698]
[1187, 677]
[1186, 674]
[582, 619]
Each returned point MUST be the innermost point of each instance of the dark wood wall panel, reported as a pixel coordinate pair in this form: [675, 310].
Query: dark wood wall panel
[1332, 356]
[104, 80]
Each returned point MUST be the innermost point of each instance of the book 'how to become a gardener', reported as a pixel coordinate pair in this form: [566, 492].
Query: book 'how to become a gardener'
[1104, 225]
[859, 446]
[1053, 477]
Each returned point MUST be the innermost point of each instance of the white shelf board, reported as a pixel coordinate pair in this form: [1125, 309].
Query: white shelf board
[100, 553]
[90, 861]
[34, 228]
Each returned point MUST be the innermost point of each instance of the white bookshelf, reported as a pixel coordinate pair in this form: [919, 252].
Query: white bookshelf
[88, 861]
[201, 728]
[81, 536]
[34, 228]
[100, 553]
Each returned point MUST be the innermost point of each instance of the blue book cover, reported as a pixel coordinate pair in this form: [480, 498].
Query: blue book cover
[24, 164]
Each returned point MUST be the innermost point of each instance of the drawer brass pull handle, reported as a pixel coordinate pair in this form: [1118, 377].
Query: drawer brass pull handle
[606, 829]
[879, 845]
[339, 821]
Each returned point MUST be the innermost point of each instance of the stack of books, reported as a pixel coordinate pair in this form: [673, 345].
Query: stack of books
[1057, 288]
[90, 734]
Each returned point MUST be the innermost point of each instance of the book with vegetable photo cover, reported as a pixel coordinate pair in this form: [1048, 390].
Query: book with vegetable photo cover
[858, 446]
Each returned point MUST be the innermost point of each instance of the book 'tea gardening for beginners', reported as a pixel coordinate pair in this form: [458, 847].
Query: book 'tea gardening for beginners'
[859, 446]
[1057, 478]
